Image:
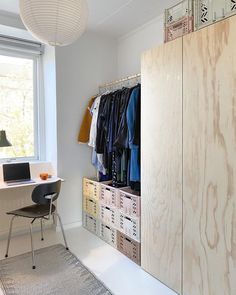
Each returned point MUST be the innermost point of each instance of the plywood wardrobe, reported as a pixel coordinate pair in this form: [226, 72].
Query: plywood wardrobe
[189, 161]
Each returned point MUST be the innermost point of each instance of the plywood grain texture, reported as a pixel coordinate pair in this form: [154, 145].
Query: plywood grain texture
[162, 163]
[209, 120]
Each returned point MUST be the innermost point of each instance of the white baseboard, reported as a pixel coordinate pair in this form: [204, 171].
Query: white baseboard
[22, 231]
[69, 226]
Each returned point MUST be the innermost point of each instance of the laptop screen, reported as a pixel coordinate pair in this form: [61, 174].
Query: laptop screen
[15, 172]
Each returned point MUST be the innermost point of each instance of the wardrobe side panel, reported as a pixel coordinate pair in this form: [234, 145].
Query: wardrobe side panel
[209, 120]
[162, 163]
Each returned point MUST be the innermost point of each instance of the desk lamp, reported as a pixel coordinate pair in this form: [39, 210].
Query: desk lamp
[4, 142]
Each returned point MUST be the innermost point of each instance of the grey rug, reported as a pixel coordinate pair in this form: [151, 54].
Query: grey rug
[58, 272]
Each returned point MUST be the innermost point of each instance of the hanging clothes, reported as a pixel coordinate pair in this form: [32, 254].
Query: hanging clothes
[132, 116]
[97, 160]
[83, 136]
[115, 136]
[93, 130]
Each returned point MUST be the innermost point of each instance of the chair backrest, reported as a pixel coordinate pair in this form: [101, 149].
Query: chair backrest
[43, 193]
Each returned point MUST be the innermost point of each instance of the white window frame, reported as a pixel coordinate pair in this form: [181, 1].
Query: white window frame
[39, 114]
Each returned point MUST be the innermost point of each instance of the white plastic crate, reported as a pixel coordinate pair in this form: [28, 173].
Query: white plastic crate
[210, 11]
[108, 215]
[129, 226]
[179, 20]
[91, 206]
[109, 196]
[129, 202]
[108, 234]
[91, 223]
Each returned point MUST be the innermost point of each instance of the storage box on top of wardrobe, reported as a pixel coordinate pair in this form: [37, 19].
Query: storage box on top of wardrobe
[179, 20]
[210, 11]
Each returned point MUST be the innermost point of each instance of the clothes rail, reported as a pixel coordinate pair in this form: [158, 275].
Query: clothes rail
[128, 81]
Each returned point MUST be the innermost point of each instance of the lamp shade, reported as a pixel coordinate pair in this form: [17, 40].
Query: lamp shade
[3, 139]
[55, 22]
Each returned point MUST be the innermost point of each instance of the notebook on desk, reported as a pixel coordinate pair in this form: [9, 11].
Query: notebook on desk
[16, 174]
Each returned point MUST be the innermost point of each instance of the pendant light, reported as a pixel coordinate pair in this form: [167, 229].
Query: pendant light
[55, 22]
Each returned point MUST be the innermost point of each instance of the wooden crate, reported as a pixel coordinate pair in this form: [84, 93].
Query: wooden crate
[211, 11]
[130, 226]
[108, 234]
[109, 196]
[179, 20]
[129, 202]
[108, 215]
[91, 207]
[91, 223]
[129, 247]
[91, 188]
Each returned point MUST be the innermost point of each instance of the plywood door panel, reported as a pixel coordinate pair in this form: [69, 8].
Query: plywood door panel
[209, 120]
[162, 163]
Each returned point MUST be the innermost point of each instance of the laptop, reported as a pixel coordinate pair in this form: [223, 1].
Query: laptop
[16, 174]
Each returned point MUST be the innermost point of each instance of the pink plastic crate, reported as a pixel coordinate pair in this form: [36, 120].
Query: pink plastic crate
[109, 196]
[129, 247]
[129, 202]
[108, 215]
[129, 226]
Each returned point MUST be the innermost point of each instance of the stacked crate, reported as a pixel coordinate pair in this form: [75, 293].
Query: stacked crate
[109, 200]
[179, 20]
[210, 11]
[91, 192]
[129, 225]
[114, 215]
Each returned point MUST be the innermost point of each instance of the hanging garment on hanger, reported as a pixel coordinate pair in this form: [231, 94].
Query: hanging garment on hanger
[97, 160]
[132, 116]
[121, 140]
[83, 136]
[93, 130]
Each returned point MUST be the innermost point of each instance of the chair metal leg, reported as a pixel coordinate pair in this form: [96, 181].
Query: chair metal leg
[32, 244]
[41, 223]
[62, 229]
[9, 235]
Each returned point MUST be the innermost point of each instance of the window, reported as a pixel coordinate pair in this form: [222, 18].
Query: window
[19, 105]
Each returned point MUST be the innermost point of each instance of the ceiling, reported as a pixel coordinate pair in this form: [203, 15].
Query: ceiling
[113, 17]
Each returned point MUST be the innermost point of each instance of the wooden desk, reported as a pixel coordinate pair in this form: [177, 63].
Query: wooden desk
[4, 186]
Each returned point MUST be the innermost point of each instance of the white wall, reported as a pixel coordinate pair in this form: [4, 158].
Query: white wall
[80, 68]
[131, 46]
[50, 106]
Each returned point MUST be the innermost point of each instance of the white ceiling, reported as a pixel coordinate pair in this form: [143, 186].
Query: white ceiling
[113, 17]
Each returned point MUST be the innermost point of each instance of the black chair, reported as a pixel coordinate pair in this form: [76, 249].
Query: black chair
[44, 195]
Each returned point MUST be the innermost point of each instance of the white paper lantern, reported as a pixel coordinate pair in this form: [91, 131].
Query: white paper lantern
[55, 22]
